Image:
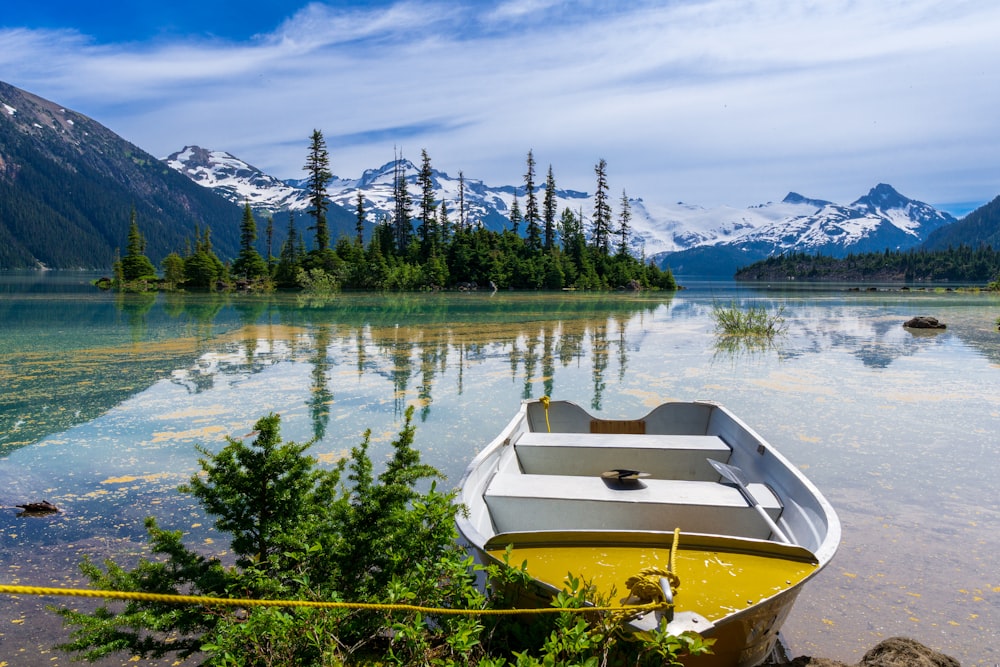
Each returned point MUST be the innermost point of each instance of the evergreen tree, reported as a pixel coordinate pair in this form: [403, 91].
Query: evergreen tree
[173, 269]
[531, 217]
[428, 225]
[515, 215]
[602, 210]
[135, 265]
[444, 225]
[461, 201]
[249, 264]
[318, 168]
[359, 224]
[288, 259]
[549, 206]
[402, 202]
[269, 232]
[624, 225]
[203, 269]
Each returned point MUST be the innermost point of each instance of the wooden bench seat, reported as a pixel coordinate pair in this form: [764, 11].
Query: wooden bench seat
[520, 502]
[590, 454]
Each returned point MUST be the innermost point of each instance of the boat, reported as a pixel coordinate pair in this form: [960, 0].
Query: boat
[687, 496]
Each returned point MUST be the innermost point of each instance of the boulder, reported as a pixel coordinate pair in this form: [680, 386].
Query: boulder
[923, 322]
[904, 652]
[892, 652]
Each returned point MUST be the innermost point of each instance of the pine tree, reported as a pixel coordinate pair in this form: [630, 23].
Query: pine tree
[624, 224]
[318, 168]
[602, 209]
[549, 206]
[531, 217]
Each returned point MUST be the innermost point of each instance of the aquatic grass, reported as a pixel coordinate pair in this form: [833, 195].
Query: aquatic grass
[755, 320]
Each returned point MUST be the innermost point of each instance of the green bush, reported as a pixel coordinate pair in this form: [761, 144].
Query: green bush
[299, 532]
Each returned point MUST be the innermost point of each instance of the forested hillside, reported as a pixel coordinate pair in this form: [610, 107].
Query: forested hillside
[982, 226]
[68, 184]
[963, 264]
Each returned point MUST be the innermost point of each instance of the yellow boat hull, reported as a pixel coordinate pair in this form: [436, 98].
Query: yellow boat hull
[738, 592]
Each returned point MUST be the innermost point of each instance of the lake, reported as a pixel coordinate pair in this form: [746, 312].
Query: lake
[104, 397]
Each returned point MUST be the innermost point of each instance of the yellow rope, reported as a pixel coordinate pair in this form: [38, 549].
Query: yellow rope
[235, 602]
[545, 400]
[673, 550]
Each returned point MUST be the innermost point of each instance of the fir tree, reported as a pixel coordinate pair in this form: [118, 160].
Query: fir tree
[288, 260]
[269, 232]
[602, 210]
[515, 215]
[624, 224]
[531, 217]
[318, 168]
[461, 201]
[249, 264]
[428, 225]
[401, 197]
[444, 225]
[359, 223]
[549, 206]
[135, 265]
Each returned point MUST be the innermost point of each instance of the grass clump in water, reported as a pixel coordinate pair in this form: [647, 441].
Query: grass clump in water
[755, 320]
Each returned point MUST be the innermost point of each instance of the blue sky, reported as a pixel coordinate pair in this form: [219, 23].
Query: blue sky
[704, 101]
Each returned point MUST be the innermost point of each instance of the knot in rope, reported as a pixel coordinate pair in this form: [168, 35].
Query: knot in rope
[645, 588]
[545, 400]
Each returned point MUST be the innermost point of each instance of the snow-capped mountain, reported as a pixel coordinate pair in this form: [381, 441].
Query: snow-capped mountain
[243, 183]
[236, 180]
[673, 234]
[882, 218]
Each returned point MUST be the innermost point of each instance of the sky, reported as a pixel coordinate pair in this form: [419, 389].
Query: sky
[710, 102]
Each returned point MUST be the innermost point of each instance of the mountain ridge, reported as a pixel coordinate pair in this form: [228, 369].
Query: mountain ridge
[669, 234]
[68, 186]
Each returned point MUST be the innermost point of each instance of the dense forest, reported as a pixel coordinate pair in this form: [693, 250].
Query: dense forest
[422, 245]
[963, 264]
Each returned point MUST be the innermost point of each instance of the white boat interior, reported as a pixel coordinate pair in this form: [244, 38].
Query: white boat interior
[547, 472]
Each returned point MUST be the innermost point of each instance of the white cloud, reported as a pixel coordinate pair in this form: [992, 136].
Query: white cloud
[713, 101]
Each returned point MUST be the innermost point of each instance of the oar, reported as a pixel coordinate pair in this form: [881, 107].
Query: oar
[736, 476]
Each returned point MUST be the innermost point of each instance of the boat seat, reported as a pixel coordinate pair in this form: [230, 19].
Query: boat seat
[590, 454]
[560, 502]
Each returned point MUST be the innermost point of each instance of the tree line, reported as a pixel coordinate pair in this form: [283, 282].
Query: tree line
[421, 245]
[961, 264]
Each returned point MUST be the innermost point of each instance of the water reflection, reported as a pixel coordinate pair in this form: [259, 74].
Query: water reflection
[104, 399]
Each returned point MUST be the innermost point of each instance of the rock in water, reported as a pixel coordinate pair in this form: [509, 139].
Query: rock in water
[44, 507]
[904, 652]
[923, 322]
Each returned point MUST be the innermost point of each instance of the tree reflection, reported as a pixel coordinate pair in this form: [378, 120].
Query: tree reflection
[320, 396]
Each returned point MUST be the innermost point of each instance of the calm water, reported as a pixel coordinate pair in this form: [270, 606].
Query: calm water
[103, 397]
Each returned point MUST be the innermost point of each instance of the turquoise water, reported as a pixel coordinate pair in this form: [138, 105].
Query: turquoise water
[104, 398]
